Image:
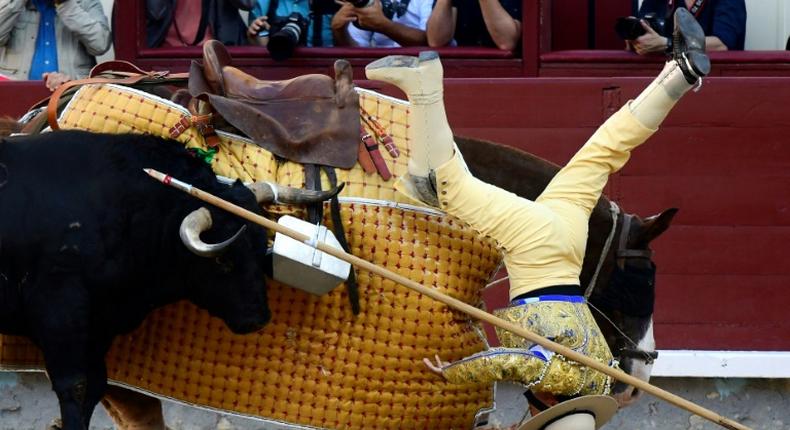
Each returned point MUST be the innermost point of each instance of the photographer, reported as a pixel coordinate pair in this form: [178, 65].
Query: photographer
[51, 40]
[311, 18]
[723, 21]
[382, 23]
[493, 23]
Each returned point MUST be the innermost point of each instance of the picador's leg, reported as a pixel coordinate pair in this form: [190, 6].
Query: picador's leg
[575, 190]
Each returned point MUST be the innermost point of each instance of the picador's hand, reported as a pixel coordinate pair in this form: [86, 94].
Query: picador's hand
[436, 368]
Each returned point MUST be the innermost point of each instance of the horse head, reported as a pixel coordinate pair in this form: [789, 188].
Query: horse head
[623, 295]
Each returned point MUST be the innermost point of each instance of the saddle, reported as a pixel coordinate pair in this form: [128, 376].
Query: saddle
[310, 119]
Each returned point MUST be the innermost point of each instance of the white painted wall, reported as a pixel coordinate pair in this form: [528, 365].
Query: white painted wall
[767, 24]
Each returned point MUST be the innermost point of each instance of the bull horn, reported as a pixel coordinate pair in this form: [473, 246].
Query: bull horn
[267, 192]
[197, 222]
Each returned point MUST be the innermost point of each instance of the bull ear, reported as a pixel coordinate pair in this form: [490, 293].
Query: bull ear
[655, 225]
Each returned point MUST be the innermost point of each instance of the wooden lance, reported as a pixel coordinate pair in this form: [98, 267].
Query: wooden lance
[454, 303]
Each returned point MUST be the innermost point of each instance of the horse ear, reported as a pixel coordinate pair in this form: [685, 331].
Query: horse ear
[655, 225]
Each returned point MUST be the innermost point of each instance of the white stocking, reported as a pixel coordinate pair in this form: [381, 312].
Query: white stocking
[655, 102]
[430, 138]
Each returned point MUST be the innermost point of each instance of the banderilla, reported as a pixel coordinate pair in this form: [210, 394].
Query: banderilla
[453, 303]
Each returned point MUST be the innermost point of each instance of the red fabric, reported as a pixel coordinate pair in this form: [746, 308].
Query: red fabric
[186, 20]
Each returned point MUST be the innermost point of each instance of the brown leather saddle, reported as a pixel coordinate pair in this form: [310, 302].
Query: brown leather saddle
[310, 119]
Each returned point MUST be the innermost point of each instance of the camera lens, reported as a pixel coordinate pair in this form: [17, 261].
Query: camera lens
[283, 43]
[361, 3]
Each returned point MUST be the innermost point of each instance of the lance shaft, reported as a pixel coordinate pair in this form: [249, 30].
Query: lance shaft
[454, 303]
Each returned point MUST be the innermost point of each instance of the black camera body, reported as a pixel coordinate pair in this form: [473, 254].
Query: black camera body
[629, 28]
[390, 8]
[285, 33]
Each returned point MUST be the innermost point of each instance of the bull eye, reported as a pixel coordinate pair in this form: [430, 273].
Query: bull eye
[225, 265]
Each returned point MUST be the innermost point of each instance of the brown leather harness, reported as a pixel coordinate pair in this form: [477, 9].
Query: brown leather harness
[622, 253]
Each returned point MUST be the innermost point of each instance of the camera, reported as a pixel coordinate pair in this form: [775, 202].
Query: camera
[390, 8]
[285, 33]
[629, 28]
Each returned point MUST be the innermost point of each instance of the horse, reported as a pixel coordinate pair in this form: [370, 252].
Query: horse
[615, 240]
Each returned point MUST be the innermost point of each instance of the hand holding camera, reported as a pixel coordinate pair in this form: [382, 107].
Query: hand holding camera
[642, 35]
[259, 29]
[650, 42]
[345, 15]
[370, 14]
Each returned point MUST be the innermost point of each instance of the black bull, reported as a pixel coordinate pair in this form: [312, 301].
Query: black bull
[89, 245]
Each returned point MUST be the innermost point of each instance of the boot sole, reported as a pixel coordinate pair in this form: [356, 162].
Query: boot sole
[693, 39]
[402, 60]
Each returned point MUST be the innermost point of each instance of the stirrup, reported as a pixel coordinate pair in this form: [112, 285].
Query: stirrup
[422, 188]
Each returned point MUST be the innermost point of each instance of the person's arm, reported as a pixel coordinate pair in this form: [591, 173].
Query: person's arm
[504, 29]
[441, 24]
[88, 23]
[372, 18]
[9, 13]
[340, 21]
[713, 43]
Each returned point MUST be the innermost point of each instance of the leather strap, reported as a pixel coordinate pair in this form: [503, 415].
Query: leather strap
[364, 159]
[202, 122]
[125, 67]
[129, 79]
[623, 252]
[373, 150]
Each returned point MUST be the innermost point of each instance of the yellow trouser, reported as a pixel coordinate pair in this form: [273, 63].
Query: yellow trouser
[543, 241]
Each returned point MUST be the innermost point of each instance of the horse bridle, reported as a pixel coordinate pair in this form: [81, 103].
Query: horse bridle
[622, 253]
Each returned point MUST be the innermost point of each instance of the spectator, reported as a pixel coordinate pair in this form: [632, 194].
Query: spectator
[53, 40]
[724, 23]
[382, 23]
[192, 22]
[476, 23]
[319, 15]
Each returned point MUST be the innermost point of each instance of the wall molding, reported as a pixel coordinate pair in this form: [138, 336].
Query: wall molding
[722, 364]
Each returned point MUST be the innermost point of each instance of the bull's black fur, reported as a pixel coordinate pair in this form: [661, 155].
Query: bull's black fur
[89, 245]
